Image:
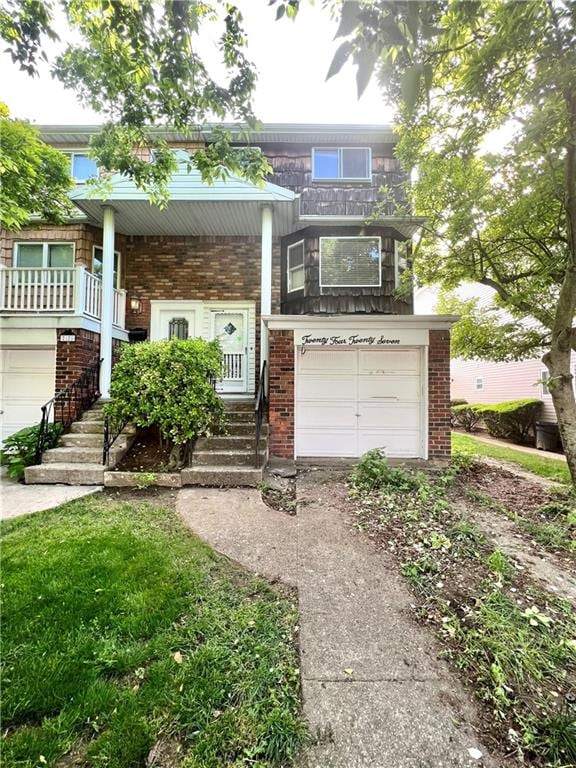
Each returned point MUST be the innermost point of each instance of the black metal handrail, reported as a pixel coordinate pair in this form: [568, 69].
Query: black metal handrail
[260, 412]
[112, 431]
[68, 404]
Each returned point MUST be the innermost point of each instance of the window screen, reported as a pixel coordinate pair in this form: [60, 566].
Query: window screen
[296, 266]
[352, 163]
[350, 261]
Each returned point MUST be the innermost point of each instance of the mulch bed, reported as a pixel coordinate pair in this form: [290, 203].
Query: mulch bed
[145, 455]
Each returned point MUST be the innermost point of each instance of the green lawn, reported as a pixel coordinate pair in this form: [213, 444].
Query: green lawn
[539, 465]
[123, 632]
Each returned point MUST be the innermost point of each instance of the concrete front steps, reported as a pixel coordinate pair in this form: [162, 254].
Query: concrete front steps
[229, 460]
[77, 460]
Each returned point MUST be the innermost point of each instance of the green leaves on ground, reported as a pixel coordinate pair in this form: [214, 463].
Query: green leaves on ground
[122, 634]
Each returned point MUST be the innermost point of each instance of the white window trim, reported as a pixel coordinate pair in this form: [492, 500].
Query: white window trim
[363, 179]
[479, 379]
[544, 383]
[290, 269]
[45, 245]
[70, 153]
[119, 270]
[398, 243]
[352, 237]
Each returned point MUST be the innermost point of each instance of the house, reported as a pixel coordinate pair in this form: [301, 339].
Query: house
[488, 382]
[290, 277]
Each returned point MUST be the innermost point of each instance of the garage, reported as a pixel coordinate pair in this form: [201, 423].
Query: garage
[26, 383]
[349, 400]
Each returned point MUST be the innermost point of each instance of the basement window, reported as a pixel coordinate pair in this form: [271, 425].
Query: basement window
[295, 264]
[345, 163]
[350, 262]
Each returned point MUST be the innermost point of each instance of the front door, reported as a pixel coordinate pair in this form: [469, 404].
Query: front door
[230, 328]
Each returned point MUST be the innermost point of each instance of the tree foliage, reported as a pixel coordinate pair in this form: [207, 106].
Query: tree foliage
[486, 95]
[34, 178]
[137, 63]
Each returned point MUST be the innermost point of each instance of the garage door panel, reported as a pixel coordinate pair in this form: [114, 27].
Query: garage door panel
[395, 443]
[327, 442]
[380, 415]
[27, 382]
[327, 361]
[403, 387]
[326, 415]
[388, 362]
[319, 388]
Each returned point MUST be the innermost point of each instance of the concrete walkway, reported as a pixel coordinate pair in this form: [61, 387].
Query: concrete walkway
[375, 693]
[513, 447]
[17, 499]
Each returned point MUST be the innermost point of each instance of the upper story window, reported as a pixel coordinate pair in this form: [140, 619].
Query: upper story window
[544, 382]
[479, 383]
[97, 265]
[401, 248]
[44, 255]
[82, 167]
[350, 262]
[342, 163]
[296, 266]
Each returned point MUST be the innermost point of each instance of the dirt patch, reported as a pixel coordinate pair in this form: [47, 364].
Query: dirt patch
[146, 454]
[516, 493]
[161, 497]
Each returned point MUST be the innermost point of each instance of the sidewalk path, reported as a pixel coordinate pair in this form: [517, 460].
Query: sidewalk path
[375, 693]
[17, 499]
[513, 447]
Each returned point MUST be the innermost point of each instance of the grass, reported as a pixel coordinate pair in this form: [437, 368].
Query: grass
[552, 469]
[122, 632]
[513, 642]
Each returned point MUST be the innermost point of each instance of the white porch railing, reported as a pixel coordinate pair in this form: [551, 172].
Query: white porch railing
[56, 291]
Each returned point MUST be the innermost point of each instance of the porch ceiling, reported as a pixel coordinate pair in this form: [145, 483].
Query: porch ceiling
[231, 207]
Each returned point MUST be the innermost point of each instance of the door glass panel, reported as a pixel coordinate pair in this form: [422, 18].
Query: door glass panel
[29, 256]
[178, 328]
[230, 332]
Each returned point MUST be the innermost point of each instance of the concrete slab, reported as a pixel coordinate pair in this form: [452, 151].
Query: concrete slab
[17, 499]
[237, 523]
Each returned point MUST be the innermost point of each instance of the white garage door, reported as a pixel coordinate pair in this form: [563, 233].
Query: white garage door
[351, 400]
[26, 383]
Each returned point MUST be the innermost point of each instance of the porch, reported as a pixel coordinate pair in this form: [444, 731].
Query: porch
[55, 291]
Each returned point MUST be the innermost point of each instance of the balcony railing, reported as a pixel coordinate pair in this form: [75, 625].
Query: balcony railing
[56, 291]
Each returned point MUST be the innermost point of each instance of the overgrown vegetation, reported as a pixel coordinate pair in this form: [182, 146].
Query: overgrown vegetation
[513, 420]
[169, 385]
[125, 637]
[514, 643]
[551, 469]
[19, 449]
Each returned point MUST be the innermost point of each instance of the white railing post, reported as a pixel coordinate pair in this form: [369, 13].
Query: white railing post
[79, 290]
[3, 285]
[107, 312]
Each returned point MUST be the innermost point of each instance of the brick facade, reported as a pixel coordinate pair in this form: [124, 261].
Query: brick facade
[439, 395]
[73, 357]
[281, 393]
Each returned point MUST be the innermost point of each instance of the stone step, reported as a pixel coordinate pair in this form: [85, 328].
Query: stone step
[218, 477]
[235, 429]
[97, 415]
[240, 417]
[239, 406]
[227, 458]
[98, 405]
[90, 440]
[67, 474]
[226, 442]
[80, 455]
[96, 427]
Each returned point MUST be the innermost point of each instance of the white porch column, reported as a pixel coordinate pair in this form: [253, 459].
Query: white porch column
[265, 280]
[107, 301]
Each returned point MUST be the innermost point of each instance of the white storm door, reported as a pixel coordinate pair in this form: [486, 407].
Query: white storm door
[230, 328]
[174, 322]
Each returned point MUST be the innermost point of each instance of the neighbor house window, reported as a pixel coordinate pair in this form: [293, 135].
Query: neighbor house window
[44, 255]
[97, 265]
[82, 167]
[347, 262]
[479, 383]
[346, 163]
[296, 266]
[400, 260]
[544, 382]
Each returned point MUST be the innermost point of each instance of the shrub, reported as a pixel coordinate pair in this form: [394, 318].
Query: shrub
[514, 419]
[466, 416]
[19, 449]
[458, 401]
[168, 385]
[373, 473]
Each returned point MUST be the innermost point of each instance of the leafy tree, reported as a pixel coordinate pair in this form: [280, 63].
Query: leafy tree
[137, 64]
[34, 178]
[499, 212]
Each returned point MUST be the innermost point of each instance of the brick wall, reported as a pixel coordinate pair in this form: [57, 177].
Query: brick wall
[72, 357]
[439, 395]
[281, 393]
[182, 268]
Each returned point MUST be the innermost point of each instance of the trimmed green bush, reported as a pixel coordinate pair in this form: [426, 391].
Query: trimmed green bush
[19, 449]
[168, 385]
[514, 419]
[458, 401]
[465, 416]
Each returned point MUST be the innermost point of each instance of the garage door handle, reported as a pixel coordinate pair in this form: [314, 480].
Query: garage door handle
[384, 397]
